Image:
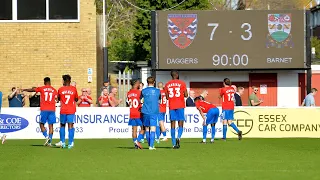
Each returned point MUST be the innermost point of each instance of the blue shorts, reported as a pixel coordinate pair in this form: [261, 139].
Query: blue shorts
[161, 116]
[135, 122]
[47, 117]
[67, 118]
[212, 116]
[150, 120]
[227, 114]
[177, 114]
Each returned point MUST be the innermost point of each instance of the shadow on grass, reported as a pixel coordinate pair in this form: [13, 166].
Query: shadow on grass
[38, 145]
[144, 148]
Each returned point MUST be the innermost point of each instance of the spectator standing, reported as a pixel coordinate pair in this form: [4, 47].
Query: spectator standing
[104, 99]
[34, 99]
[16, 98]
[203, 95]
[89, 94]
[253, 98]
[114, 102]
[309, 101]
[89, 91]
[190, 99]
[106, 85]
[237, 96]
[84, 100]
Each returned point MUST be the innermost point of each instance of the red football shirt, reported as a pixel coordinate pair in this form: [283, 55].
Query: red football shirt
[204, 106]
[163, 102]
[105, 101]
[67, 95]
[133, 98]
[48, 96]
[227, 94]
[175, 89]
[84, 102]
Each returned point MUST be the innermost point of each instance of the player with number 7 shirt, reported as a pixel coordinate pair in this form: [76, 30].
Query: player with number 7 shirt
[227, 95]
[176, 91]
[68, 96]
[133, 100]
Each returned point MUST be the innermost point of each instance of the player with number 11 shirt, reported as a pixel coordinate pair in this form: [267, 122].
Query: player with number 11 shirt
[176, 91]
[133, 100]
[227, 95]
[48, 96]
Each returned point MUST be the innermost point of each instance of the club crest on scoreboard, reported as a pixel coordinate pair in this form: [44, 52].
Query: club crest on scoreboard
[182, 29]
[279, 27]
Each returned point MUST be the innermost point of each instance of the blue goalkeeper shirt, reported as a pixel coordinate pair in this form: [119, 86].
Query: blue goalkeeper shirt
[151, 97]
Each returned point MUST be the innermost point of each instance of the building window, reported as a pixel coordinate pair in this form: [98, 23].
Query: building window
[5, 10]
[63, 9]
[39, 11]
[31, 9]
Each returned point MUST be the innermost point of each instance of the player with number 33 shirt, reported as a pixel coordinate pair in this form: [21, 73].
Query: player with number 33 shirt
[176, 91]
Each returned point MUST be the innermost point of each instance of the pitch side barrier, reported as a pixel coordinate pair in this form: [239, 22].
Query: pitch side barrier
[95, 122]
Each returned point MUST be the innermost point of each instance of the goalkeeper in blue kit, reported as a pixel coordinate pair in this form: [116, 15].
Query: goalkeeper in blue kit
[150, 110]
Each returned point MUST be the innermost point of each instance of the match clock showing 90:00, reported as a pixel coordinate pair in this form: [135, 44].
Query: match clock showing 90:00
[230, 39]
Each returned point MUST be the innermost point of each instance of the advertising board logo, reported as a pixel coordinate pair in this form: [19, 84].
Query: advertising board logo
[182, 29]
[11, 123]
[243, 121]
[279, 27]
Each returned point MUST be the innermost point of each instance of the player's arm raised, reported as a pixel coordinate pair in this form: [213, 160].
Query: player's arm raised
[30, 90]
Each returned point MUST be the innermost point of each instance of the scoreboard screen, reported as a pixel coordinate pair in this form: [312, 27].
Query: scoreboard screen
[231, 39]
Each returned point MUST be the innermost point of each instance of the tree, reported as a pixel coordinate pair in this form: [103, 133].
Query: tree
[315, 43]
[276, 4]
[142, 25]
[119, 23]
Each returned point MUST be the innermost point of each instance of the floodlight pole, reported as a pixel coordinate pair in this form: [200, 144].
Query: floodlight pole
[105, 48]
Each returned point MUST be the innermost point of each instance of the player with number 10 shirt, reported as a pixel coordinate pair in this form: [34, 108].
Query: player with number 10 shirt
[176, 91]
[227, 95]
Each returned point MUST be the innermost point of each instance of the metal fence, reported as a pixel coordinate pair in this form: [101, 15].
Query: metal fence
[124, 86]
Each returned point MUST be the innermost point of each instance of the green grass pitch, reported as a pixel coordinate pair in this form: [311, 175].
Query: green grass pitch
[108, 159]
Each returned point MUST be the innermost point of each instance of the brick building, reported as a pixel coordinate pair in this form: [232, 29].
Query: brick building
[47, 38]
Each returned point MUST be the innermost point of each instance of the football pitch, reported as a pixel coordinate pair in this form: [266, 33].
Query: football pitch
[116, 159]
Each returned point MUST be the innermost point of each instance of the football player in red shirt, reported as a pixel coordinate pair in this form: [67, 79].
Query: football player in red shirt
[162, 114]
[227, 95]
[176, 91]
[84, 100]
[48, 96]
[68, 96]
[133, 100]
[211, 118]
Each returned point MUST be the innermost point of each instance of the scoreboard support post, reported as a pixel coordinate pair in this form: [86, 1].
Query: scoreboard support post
[153, 43]
[308, 51]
